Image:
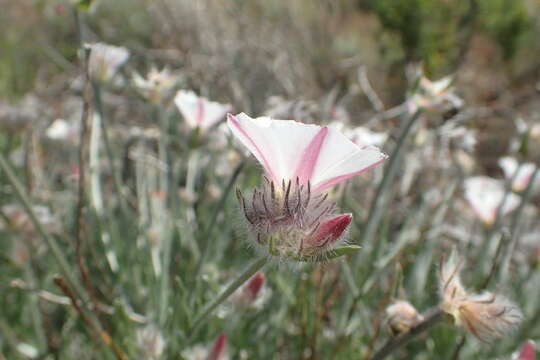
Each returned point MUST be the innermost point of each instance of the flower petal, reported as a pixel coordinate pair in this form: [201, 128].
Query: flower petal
[310, 156]
[288, 149]
[276, 144]
[485, 195]
[341, 159]
[199, 111]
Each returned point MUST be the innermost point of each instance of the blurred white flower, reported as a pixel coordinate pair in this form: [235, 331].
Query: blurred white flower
[216, 351]
[339, 113]
[364, 137]
[20, 221]
[157, 85]
[521, 173]
[61, 130]
[151, 342]
[199, 112]
[28, 350]
[105, 60]
[360, 135]
[434, 95]
[485, 196]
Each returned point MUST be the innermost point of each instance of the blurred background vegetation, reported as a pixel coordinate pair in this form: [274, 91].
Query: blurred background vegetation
[297, 59]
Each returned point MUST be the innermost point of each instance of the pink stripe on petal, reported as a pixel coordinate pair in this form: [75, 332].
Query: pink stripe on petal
[234, 122]
[336, 180]
[200, 111]
[307, 162]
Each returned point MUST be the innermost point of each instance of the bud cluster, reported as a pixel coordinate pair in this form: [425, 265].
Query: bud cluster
[290, 221]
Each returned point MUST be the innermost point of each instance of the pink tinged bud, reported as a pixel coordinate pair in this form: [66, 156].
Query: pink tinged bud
[254, 285]
[218, 348]
[330, 230]
[528, 351]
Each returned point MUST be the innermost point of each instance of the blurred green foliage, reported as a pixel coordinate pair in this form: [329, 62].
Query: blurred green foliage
[437, 32]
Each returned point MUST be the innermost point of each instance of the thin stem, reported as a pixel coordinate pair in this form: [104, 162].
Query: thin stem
[231, 288]
[37, 320]
[514, 238]
[167, 238]
[58, 254]
[214, 217]
[117, 182]
[395, 343]
[9, 338]
[376, 208]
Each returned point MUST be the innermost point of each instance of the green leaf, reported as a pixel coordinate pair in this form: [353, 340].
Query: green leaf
[330, 254]
[341, 251]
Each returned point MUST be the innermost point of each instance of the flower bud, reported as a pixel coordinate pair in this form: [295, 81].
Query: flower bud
[218, 349]
[527, 351]
[291, 222]
[402, 316]
[487, 316]
[254, 285]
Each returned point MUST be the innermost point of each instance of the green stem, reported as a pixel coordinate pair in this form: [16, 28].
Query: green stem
[376, 205]
[37, 320]
[117, 181]
[214, 217]
[9, 338]
[60, 257]
[166, 261]
[514, 238]
[231, 288]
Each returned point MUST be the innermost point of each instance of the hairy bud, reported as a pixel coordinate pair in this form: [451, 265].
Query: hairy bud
[402, 316]
[487, 316]
[289, 221]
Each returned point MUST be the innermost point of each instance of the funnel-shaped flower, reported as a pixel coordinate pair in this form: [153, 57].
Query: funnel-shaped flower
[198, 111]
[290, 150]
[157, 85]
[485, 195]
[105, 60]
[289, 216]
[521, 174]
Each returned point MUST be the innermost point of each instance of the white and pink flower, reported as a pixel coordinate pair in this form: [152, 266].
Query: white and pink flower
[105, 60]
[521, 173]
[485, 195]
[288, 150]
[216, 351]
[433, 95]
[289, 215]
[199, 112]
[157, 85]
